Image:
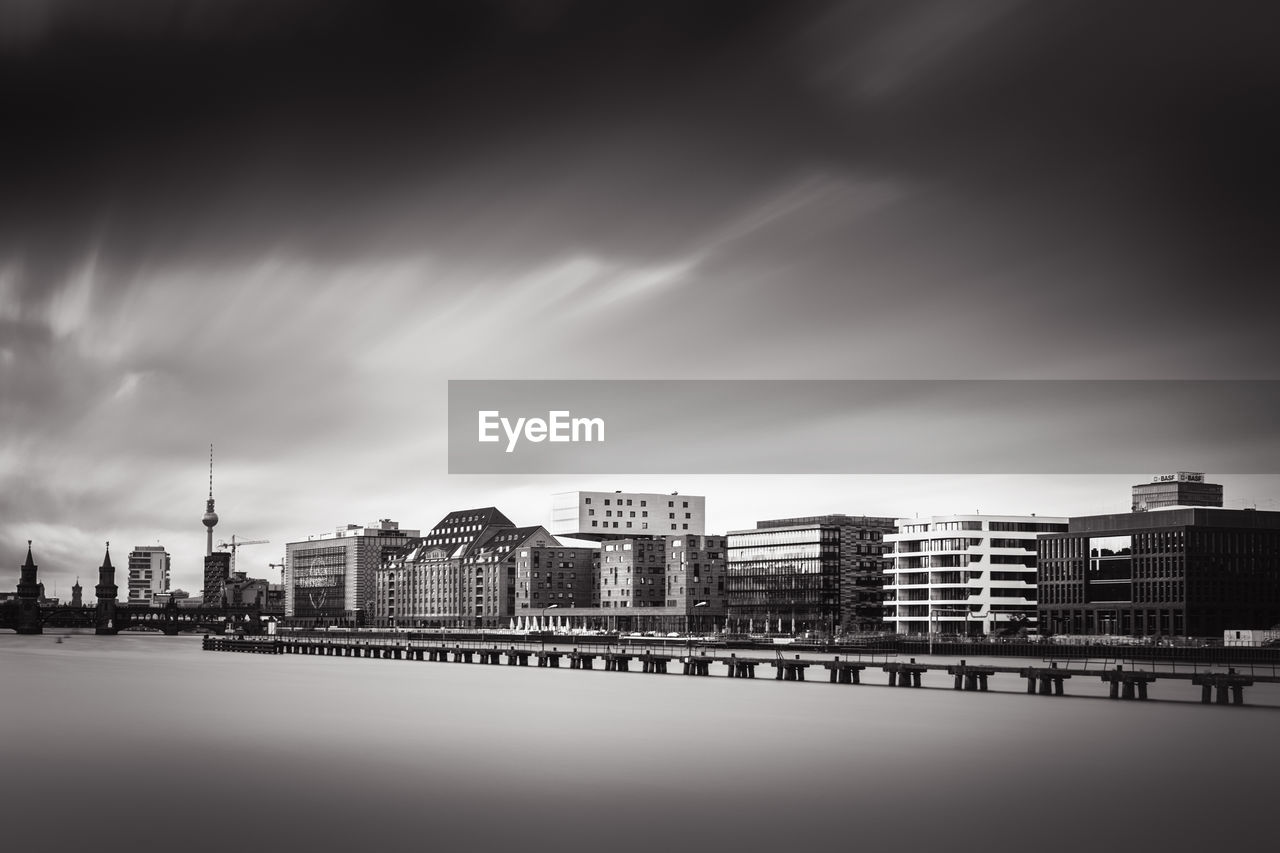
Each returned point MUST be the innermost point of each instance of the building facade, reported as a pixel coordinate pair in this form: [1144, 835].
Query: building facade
[217, 571]
[633, 573]
[819, 575]
[1184, 488]
[148, 573]
[554, 576]
[596, 516]
[964, 574]
[1181, 571]
[333, 575]
[493, 567]
[695, 575]
[667, 584]
[241, 590]
[461, 574]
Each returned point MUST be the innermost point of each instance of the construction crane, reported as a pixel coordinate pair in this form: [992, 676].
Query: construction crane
[234, 543]
[279, 566]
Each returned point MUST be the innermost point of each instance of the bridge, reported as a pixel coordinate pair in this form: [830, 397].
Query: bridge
[25, 614]
[168, 620]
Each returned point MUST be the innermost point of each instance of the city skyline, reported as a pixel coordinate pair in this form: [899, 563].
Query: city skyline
[734, 507]
[282, 232]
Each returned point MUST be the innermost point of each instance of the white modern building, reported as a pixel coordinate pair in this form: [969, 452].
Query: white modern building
[597, 516]
[148, 573]
[964, 574]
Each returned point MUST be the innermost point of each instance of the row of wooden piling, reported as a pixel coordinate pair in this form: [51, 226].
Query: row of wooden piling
[1228, 688]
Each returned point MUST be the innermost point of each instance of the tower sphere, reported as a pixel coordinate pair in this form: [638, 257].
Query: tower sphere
[210, 519]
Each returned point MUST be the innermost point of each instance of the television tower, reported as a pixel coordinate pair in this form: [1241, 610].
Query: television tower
[210, 517]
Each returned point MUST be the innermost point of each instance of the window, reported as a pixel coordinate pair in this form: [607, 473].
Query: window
[686, 505]
[588, 500]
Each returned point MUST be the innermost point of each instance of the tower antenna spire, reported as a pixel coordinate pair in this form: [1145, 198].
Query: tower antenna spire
[210, 517]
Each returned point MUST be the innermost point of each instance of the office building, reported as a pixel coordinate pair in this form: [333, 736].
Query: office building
[333, 576]
[964, 574]
[148, 573]
[1176, 571]
[596, 516]
[217, 571]
[818, 575]
[1184, 488]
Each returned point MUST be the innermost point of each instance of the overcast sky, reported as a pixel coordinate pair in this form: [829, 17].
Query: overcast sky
[281, 228]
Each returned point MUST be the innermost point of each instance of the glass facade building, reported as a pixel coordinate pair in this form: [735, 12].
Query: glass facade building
[1169, 572]
[329, 577]
[820, 575]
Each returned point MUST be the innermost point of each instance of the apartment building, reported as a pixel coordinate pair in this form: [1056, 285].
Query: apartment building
[965, 575]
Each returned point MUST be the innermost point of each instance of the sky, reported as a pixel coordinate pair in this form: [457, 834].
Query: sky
[280, 229]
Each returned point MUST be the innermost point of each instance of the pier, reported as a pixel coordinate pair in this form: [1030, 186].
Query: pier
[1126, 681]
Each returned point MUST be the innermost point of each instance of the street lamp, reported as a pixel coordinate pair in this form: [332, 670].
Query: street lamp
[542, 629]
[689, 623]
[688, 639]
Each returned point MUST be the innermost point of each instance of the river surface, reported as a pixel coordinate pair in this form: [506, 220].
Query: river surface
[142, 742]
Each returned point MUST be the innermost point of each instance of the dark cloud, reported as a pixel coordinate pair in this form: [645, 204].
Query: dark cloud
[159, 138]
[1125, 147]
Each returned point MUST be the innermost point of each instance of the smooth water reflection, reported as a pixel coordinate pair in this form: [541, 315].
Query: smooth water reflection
[152, 741]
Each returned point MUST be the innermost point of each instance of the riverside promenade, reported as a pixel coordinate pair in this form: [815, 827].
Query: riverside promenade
[1126, 676]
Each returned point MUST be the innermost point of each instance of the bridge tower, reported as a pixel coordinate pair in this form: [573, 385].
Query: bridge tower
[28, 598]
[106, 590]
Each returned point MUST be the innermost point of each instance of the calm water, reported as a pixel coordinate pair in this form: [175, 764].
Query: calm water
[150, 740]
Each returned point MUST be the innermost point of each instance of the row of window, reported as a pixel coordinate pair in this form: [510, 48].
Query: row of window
[644, 525]
[618, 502]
